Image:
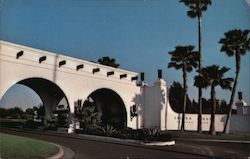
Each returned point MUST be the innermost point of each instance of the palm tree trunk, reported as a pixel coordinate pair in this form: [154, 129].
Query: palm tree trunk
[213, 104]
[237, 73]
[200, 89]
[184, 97]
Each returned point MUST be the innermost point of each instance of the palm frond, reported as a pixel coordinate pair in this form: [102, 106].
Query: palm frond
[196, 7]
[235, 41]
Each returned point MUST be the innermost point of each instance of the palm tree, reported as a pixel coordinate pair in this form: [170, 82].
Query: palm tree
[108, 62]
[196, 8]
[185, 58]
[235, 43]
[213, 76]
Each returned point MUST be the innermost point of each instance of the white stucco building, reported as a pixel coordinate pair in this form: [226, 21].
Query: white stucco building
[115, 91]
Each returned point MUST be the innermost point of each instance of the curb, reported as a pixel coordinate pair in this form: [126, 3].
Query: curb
[59, 154]
[214, 140]
[159, 143]
[111, 139]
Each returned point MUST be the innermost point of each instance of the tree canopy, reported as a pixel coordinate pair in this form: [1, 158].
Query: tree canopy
[106, 60]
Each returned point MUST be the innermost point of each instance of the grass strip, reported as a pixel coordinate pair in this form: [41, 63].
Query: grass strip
[16, 147]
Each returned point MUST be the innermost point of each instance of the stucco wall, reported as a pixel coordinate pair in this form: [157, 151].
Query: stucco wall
[239, 124]
[153, 108]
[75, 84]
[155, 99]
[174, 121]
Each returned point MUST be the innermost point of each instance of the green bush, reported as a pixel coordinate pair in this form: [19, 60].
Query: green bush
[52, 123]
[31, 124]
[108, 130]
[87, 115]
[62, 120]
[90, 130]
[146, 135]
[143, 134]
[12, 123]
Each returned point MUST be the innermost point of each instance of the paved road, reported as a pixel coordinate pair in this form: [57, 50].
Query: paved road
[183, 149]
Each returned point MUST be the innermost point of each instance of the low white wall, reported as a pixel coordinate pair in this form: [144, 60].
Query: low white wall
[191, 123]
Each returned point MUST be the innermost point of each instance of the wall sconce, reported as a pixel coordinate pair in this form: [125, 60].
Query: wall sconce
[78, 67]
[133, 112]
[95, 70]
[41, 59]
[61, 63]
[19, 54]
[110, 73]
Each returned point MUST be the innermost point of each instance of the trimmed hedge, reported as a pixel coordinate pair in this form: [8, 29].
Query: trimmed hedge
[145, 135]
[12, 123]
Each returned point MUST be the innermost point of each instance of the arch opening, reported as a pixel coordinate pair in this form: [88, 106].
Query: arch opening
[48, 96]
[111, 107]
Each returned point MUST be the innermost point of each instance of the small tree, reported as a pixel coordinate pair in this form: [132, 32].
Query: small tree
[176, 94]
[108, 62]
[15, 113]
[87, 115]
[3, 113]
[213, 76]
[184, 58]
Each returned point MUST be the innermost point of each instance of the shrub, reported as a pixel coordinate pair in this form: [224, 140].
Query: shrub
[52, 123]
[12, 123]
[62, 120]
[31, 124]
[90, 130]
[153, 134]
[108, 130]
[87, 115]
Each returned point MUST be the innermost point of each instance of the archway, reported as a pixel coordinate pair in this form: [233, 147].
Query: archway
[52, 98]
[110, 105]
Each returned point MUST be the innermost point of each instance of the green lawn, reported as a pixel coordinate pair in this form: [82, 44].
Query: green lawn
[205, 135]
[16, 147]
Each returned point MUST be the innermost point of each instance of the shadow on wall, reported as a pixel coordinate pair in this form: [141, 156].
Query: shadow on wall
[137, 111]
[55, 68]
[150, 107]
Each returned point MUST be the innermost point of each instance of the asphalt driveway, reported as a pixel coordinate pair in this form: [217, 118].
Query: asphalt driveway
[85, 148]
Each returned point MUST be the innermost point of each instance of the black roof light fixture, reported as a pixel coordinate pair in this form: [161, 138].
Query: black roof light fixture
[41, 59]
[19, 54]
[160, 74]
[78, 67]
[134, 78]
[61, 63]
[142, 76]
[123, 76]
[110, 73]
[95, 70]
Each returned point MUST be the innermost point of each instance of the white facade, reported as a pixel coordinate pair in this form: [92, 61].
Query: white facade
[74, 84]
[53, 76]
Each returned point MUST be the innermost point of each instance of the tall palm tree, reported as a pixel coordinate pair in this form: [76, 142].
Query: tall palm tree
[213, 76]
[196, 8]
[108, 62]
[185, 58]
[235, 43]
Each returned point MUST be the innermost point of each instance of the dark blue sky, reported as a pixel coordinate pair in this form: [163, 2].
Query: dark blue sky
[138, 34]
